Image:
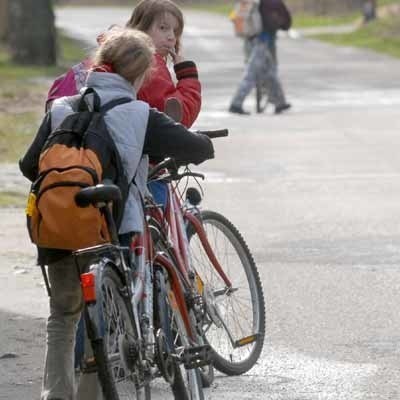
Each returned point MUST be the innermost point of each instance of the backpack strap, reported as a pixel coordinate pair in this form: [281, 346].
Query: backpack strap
[83, 106]
[114, 103]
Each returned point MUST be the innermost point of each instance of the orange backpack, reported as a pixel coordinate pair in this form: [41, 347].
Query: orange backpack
[246, 18]
[78, 154]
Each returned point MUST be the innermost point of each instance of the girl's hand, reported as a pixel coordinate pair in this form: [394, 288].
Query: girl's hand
[177, 57]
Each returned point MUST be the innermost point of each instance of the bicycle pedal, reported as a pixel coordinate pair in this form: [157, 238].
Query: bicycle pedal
[196, 356]
[246, 340]
[89, 365]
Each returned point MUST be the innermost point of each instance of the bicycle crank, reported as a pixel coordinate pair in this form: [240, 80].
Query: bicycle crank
[129, 352]
[196, 356]
[165, 359]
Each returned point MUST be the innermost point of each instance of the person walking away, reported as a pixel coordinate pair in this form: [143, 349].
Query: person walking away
[262, 60]
[119, 69]
[369, 10]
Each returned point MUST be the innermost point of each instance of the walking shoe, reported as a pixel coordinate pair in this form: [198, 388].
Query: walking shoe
[238, 110]
[282, 107]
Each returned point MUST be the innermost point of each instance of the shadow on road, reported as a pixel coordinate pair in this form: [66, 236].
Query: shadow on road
[21, 356]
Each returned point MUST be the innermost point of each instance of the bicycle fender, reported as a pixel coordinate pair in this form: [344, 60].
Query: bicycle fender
[93, 312]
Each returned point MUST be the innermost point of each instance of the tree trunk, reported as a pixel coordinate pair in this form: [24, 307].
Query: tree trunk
[32, 34]
[369, 10]
[3, 19]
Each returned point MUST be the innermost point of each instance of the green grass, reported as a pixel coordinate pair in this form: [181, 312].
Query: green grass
[299, 20]
[381, 35]
[215, 7]
[70, 51]
[16, 131]
[308, 21]
[12, 199]
[23, 91]
[386, 2]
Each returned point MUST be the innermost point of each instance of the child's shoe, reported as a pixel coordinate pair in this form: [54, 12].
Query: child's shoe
[238, 110]
[282, 107]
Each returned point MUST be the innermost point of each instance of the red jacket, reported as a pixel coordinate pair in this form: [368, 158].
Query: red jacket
[161, 86]
[155, 91]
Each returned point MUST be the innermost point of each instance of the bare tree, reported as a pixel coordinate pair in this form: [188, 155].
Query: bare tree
[31, 32]
[369, 10]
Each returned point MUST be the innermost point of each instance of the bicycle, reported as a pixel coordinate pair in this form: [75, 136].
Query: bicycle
[214, 282]
[132, 316]
[261, 92]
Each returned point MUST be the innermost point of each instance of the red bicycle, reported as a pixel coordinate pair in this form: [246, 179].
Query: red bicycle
[222, 287]
[135, 313]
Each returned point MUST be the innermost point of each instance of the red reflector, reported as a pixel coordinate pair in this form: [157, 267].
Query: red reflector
[137, 244]
[88, 287]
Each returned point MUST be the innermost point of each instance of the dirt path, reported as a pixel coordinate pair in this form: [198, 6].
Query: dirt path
[23, 306]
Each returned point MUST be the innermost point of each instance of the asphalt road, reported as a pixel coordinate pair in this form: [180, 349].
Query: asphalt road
[315, 193]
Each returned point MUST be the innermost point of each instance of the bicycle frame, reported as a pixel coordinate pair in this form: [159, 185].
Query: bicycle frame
[174, 221]
[178, 218]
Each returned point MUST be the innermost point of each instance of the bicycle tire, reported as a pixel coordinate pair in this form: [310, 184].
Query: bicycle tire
[240, 268]
[258, 97]
[104, 373]
[261, 96]
[117, 367]
[206, 372]
[187, 384]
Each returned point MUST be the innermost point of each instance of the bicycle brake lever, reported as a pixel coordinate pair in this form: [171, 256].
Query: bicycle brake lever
[192, 174]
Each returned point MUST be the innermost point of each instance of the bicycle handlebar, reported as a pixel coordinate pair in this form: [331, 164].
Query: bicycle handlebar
[167, 163]
[217, 133]
[170, 163]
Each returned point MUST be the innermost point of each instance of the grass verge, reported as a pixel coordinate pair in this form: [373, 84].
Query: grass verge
[23, 92]
[12, 199]
[299, 20]
[215, 7]
[382, 35]
[310, 21]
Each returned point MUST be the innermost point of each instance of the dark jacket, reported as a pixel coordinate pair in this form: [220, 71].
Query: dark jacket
[275, 16]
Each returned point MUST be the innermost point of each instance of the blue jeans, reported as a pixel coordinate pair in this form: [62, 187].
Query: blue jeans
[262, 62]
[159, 191]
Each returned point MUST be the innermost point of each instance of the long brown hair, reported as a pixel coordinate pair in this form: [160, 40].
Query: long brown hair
[147, 11]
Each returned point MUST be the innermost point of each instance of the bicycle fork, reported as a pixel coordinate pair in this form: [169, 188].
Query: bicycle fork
[142, 296]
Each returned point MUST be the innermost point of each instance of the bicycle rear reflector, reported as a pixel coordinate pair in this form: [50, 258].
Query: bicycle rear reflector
[246, 340]
[88, 284]
[199, 284]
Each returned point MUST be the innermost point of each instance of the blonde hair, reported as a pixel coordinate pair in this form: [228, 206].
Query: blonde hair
[147, 11]
[128, 51]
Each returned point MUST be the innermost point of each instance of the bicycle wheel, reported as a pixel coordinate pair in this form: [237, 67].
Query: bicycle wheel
[117, 357]
[234, 320]
[185, 383]
[261, 96]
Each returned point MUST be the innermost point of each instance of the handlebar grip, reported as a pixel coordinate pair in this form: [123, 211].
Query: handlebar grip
[166, 163]
[215, 133]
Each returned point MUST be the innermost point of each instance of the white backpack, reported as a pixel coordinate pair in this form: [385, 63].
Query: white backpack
[246, 18]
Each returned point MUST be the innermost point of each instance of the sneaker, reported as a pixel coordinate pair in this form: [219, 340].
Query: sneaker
[282, 107]
[238, 110]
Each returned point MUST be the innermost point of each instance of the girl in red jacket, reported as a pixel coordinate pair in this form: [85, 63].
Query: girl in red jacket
[163, 21]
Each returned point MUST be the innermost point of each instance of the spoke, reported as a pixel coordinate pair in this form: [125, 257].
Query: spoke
[235, 307]
[118, 329]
